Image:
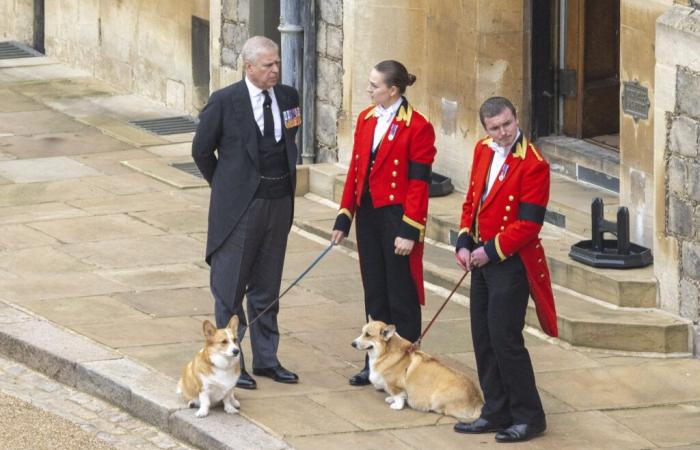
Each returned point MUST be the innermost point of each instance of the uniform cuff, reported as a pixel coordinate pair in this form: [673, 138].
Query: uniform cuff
[343, 221]
[464, 240]
[493, 250]
[410, 229]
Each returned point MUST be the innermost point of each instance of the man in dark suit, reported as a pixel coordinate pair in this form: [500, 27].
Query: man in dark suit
[244, 147]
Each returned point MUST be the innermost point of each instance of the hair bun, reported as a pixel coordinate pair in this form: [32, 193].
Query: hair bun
[411, 79]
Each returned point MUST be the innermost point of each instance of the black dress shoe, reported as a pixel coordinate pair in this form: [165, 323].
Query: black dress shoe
[361, 378]
[478, 426]
[279, 374]
[245, 381]
[521, 432]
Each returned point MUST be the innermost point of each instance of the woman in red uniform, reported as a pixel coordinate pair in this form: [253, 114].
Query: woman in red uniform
[386, 189]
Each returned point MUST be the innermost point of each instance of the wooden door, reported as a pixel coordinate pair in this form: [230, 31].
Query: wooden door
[592, 63]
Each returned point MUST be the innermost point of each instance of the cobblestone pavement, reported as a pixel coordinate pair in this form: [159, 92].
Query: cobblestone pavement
[38, 413]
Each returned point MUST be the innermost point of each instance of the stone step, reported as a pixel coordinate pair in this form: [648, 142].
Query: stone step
[582, 321]
[589, 324]
[627, 288]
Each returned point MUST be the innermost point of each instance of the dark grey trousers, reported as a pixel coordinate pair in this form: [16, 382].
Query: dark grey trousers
[249, 263]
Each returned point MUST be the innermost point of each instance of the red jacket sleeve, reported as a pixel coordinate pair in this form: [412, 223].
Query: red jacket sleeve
[421, 154]
[348, 202]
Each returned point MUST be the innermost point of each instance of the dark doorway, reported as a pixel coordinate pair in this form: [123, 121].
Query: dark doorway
[592, 65]
[200, 60]
[265, 18]
[39, 26]
[543, 95]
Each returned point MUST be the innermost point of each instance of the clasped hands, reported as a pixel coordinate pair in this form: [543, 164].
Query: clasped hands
[468, 260]
[402, 247]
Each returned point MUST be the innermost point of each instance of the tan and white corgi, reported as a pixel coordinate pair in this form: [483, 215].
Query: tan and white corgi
[414, 376]
[211, 376]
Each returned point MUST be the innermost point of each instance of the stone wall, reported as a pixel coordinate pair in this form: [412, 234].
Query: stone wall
[329, 78]
[677, 163]
[143, 47]
[17, 21]
[461, 52]
[234, 31]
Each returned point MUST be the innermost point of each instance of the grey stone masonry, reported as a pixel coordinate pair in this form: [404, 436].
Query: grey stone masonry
[683, 188]
[329, 78]
[234, 30]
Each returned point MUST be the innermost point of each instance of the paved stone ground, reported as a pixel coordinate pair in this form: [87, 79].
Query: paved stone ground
[114, 255]
[38, 413]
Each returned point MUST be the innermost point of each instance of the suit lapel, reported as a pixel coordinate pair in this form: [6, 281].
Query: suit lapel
[244, 115]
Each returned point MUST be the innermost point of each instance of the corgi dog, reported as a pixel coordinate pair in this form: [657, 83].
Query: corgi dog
[415, 377]
[211, 376]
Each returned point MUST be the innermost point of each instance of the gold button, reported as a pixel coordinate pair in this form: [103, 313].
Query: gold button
[472, 183]
[510, 197]
[537, 246]
[393, 185]
[505, 218]
[393, 174]
[508, 208]
[357, 156]
[391, 198]
[502, 228]
[539, 260]
[541, 275]
[424, 219]
[396, 162]
[355, 180]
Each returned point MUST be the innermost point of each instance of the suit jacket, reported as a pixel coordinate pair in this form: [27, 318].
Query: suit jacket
[225, 149]
[509, 219]
[400, 176]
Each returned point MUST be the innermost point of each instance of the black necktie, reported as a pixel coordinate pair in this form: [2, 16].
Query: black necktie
[269, 123]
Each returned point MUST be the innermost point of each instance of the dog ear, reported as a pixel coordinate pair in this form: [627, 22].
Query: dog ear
[209, 329]
[388, 331]
[369, 318]
[233, 323]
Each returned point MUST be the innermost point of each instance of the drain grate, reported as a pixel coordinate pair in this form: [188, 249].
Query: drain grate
[189, 167]
[167, 125]
[12, 50]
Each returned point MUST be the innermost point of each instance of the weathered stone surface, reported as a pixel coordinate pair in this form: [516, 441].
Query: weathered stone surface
[332, 11]
[329, 82]
[676, 175]
[685, 134]
[694, 181]
[221, 431]
[680, 216]
[44, 169]
[690, 297]
[327, 125]
[688, 86]
[334, 42]
[691, 259]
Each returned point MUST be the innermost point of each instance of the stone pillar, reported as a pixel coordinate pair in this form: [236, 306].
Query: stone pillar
[677, 163]
[234, 31]
[329, 78]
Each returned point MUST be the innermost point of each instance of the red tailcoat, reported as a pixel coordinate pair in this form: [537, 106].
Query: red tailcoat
[400, 176]
[509, 219]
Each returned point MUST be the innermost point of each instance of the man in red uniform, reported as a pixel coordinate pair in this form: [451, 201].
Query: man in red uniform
[501, 218]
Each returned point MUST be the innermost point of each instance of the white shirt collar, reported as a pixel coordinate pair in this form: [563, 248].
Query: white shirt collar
[380, 111]
[501, 151]
[253, 89]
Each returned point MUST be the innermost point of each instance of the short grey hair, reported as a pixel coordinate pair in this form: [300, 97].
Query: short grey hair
[256, 45]
[493, 107]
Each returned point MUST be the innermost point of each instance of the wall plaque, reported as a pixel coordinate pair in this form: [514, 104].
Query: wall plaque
[635, 100]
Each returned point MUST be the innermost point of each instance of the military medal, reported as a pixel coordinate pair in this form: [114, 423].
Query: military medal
[504, 170]
[392, 131]
[292, 117]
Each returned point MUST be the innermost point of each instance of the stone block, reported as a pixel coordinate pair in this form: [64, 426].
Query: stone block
[690, 260]
[221, 431]
[690, 297]
[693, 180]
[321, 35]
[676, 175]
[332, 11]
[679, 217]
[230, 9]
[334, 42]
[327, 124]
[228, 32]
[322, 179]
[144, 393]
[685, 135]
[330, 81]
[688, 86]
[229, 58]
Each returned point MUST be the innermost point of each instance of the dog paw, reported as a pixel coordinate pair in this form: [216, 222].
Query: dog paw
[230, 409]
[396, 406]
[389, 399]
[236, 403]
[201, 413]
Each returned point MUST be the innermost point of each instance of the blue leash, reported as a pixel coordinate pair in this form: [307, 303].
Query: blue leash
[303, 274]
